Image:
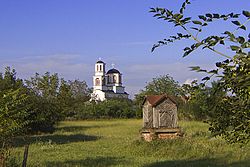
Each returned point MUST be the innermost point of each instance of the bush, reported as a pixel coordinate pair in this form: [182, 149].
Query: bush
[113, 108]
[44, 115]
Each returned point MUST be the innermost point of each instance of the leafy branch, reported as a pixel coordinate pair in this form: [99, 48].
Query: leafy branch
[231, 113]
[210, 42]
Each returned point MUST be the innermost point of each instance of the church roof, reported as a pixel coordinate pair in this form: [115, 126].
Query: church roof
[111, 91]
[112, 71]
[154, 100]
[99, 61]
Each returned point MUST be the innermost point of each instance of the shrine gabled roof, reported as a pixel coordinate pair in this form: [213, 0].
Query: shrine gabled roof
[154, 100]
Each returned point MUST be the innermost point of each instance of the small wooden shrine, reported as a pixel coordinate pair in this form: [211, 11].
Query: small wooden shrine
[159, 118]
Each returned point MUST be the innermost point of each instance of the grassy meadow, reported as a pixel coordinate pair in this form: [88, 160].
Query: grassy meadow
[117, 143]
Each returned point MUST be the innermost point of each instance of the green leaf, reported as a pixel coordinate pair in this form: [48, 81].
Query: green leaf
[202, 17]
[183, 5]
[222, 42]
[195, 68]
[163, 11]
[176, 15]
[209, 20]
[180, 16]
[197, 22]
[236, 22]
[236, 16]
[194, 28]
[215, 15]
[246, 13]
[226, 61]
[234, 48]
[186, 19]
[209, 15]
[218, 64]
[241, 40]
[213, 71]
[205, 24]
[181, 10]
[186, 48]
[206, 78]
[152, 10]
[187, 53]
[227, 32]
[243, 27]
[156, 15]
[154, 47]
[246, 45]
[169, 13]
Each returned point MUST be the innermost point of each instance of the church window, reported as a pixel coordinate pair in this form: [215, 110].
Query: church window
[97, 69]
[110, 79]
[97, 82]
[100, 67]
[103, 81]
[114, 79]
[120, 79]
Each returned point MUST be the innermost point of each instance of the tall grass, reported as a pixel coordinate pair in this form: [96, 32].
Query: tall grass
[117, 143]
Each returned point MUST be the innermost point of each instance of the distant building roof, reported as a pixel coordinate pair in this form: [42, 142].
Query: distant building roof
[154, 100]
[99, 61]
[112, 71]
[111, 91]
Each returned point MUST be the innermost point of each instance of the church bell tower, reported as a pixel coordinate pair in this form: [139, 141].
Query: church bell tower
[99, 79]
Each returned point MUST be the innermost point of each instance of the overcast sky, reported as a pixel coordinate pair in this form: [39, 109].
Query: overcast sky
[68, 37]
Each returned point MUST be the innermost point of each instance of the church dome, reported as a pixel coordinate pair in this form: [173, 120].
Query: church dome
[113, 71]
[99, 61]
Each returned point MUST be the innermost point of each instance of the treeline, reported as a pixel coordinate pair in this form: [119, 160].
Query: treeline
[113, 108]
[195, 102]
[43, 100]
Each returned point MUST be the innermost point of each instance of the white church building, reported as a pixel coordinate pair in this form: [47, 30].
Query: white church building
[107, 85]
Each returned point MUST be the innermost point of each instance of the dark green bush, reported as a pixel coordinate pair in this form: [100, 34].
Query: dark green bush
[113, 108]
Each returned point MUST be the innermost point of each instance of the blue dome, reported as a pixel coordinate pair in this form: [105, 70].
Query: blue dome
[113, 71]
[100, 62]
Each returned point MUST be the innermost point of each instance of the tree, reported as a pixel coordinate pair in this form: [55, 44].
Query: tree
[160, 85]
[233, 113]
[163, 85]
[8, 80]
[203, 98]
[65, 99]
[46, 86]
[14, 110]
[80, 90]
[46, 110]
[112, 108]
[71, 96]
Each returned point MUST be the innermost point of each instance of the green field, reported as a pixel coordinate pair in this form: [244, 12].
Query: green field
[117, 143]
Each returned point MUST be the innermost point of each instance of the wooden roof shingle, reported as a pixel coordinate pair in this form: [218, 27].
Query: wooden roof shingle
[154, 100]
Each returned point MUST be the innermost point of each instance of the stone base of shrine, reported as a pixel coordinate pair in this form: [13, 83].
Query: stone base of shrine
[149, 134]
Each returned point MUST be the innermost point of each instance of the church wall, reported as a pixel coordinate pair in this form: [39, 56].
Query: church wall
[118, 89]
[113, 95]
[98, 95]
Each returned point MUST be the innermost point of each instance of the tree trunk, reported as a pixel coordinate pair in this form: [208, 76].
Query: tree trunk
[25, 155]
